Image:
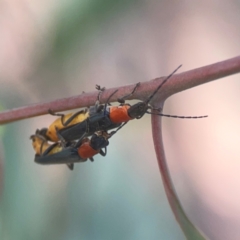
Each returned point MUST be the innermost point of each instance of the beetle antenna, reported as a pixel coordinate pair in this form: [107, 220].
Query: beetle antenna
[176, 116]
[164, 81]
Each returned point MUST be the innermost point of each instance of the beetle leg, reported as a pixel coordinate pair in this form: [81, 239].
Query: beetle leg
[79, 142]
[91, 159]
[61, 138]
[99, 88]
[87, 125]
[70, 166]
[97, 104]
[113, 132]
[41, 147]
[48, 150]
[50, 111]
[63, 115]
[103, 153]
[107, 102]
[111, 96]
[122, 99]
[157, 109]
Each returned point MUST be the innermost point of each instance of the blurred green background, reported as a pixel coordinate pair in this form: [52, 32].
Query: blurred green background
[55, 49]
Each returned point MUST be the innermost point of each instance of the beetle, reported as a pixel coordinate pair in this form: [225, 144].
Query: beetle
[70, 152]
[46, 153]
[109, 116]
[67, 120]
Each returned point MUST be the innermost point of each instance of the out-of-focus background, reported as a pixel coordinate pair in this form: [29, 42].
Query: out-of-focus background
[55, 49]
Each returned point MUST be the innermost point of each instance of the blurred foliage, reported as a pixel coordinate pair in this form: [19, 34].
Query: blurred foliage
[83, 204]
[78, 26]
[79, 21]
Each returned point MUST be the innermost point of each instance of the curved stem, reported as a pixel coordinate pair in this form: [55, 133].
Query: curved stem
[187, 227]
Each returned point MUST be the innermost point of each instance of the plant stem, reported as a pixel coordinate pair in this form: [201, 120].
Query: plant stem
[177, 83]
[187, 227]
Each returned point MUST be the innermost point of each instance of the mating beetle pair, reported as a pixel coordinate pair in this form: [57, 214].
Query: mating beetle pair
[100, 117]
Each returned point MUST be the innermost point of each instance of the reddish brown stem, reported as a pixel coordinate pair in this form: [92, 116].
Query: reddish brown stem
[177, 83]
[188, 228]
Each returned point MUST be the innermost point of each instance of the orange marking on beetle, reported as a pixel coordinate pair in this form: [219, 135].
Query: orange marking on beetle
[119, 114]
[86, 151]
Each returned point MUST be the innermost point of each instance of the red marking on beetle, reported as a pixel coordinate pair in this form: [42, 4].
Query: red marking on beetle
[119, 114]
[86, 151]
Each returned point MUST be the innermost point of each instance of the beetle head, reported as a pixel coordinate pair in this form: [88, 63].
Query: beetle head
[138, 110]
[99, 140]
